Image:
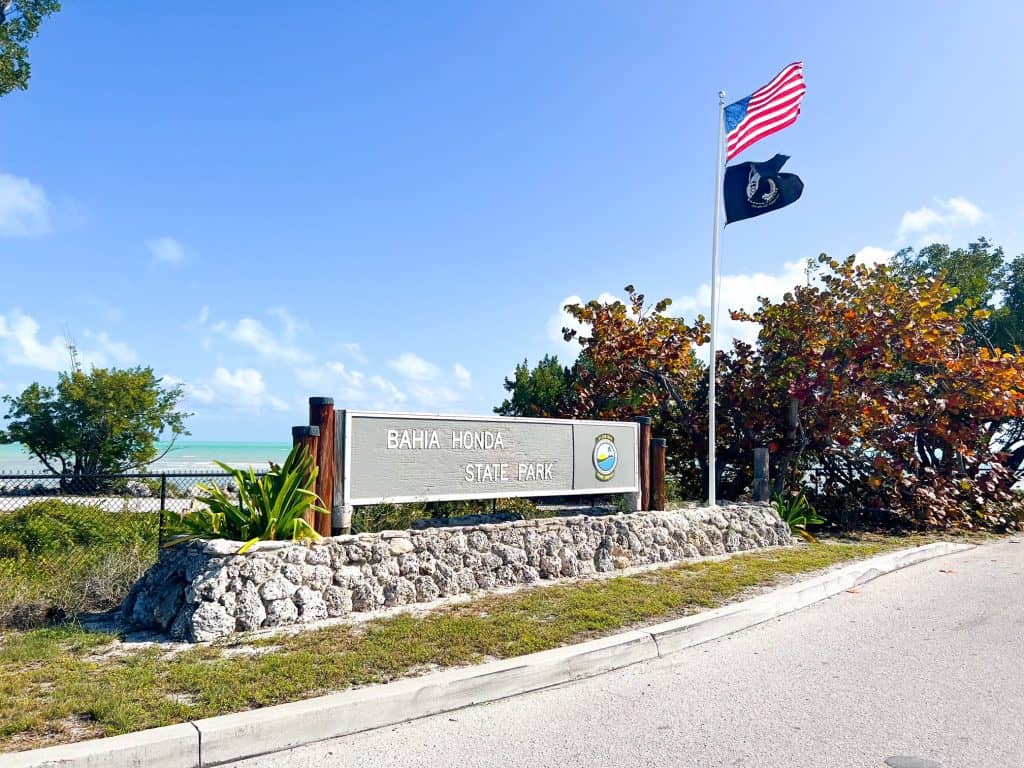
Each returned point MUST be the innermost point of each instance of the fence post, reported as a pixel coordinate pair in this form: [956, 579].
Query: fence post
[658, 448]
[163, 509]
[309, 438]
[321, 414]
[645, 462]
[762, 482]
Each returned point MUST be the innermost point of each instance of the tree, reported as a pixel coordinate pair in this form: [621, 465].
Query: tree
[19, 23]
[543, 391]
[105, 421]
[636, 360]
[1008, 319]
[976, 274]
[895, 400]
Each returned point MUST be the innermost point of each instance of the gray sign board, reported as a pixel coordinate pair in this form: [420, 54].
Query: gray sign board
[399, 458]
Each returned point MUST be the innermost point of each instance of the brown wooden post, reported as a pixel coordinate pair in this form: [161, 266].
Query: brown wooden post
[321, 414]
[658, 448]
[645, 462]
[309, 438]
[762, 483]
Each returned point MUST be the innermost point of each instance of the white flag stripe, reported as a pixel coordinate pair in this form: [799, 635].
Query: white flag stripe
[794, 82]
[768, 109]
[786, 71]
[749, 124]
[761, 126]
[766, 94]
[778, 125]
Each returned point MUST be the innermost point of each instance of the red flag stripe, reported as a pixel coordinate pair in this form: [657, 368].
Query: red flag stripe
[754, 139]
[770, 108]
[760, 131]
[766, 115]
[788, 87]
[793, 97]
[784, 101]
[761, 125]
[761, 94]
[786, 72]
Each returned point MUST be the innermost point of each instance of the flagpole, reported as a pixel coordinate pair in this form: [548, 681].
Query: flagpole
[714, 303]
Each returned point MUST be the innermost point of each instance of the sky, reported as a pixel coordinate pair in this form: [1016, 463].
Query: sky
[389, 203]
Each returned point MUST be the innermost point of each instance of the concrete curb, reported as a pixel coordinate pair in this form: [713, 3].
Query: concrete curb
[220, 740]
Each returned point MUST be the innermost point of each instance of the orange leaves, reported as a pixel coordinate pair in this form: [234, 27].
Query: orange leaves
[628, 349]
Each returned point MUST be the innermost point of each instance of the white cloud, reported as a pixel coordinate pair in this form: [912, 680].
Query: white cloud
[930, 224]
[414, 367]
[25, 211]
[242, 388]
[426, 384]
[965, 210]
[871, 255]
[433, 395]
[250, 332]
[391, 394]
[20, 345]
[739, 292]
[166, 250]
[463, 376]
[334, 379]
[291, 324]
[117, 351]
[355, 351]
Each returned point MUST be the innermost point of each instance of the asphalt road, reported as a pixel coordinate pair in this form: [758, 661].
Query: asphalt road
[926, 663]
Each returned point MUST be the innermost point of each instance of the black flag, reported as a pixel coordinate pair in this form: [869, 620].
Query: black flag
[751, 189]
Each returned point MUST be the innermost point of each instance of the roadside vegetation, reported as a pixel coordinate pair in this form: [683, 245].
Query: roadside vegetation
[58, 560]
[889, 396]
[66, 684]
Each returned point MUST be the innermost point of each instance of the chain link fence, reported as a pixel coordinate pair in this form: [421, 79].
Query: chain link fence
[76, 545]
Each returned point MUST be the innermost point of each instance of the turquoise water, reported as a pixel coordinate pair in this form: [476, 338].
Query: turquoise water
[185, 456]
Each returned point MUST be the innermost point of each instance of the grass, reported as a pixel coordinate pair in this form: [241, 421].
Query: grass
[59, 559]
[66, 684]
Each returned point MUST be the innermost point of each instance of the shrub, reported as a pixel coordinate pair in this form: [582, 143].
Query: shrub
[797, 512]
[58, 559]
[268, 507]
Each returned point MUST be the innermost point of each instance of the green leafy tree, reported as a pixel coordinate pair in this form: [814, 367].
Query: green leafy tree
[543, 391]
[976, 275]
[19, 24]
[105, 421]
[1008, 319]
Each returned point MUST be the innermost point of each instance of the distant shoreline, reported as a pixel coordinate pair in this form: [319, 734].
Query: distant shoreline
[185, 456]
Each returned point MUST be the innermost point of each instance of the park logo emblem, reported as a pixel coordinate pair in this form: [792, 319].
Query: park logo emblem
[606, 456]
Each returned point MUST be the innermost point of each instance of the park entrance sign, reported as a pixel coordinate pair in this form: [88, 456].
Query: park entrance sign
[400, 458]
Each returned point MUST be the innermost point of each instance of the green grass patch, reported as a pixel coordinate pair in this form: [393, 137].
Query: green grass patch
[59, 559]
[66, 684]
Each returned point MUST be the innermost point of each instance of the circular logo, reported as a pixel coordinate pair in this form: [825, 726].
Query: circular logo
[606, 457]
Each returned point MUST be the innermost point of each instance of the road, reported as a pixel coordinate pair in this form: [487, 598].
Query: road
[926, 663]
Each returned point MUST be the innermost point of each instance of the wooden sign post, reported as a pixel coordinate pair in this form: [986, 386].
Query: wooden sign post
[309, 438]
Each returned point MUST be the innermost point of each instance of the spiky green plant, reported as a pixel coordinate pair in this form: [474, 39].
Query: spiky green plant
[268, 508]
[796, 511]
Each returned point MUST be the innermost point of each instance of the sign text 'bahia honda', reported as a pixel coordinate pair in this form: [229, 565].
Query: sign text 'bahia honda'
[391, 457]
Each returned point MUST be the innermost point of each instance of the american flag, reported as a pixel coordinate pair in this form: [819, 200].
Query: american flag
[767, 110]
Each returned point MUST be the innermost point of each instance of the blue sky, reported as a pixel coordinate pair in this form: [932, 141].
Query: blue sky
[389, 202]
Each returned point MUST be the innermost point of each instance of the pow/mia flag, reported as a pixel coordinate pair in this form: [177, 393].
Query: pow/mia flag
[751, 189]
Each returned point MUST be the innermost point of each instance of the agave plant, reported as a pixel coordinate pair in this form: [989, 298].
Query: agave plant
[268, 507]
[797, 512]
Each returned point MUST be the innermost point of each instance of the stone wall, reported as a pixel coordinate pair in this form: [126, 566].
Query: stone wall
[203, 590]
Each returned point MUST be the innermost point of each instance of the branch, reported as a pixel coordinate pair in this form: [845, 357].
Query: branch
[126, 467]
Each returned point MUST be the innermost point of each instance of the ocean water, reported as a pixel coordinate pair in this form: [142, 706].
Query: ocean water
[185, 456]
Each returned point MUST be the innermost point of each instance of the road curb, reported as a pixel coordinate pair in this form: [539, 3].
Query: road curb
[224, 739]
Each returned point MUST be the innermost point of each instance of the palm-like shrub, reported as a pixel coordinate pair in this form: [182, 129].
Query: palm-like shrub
[797, 512]
[268, 507]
